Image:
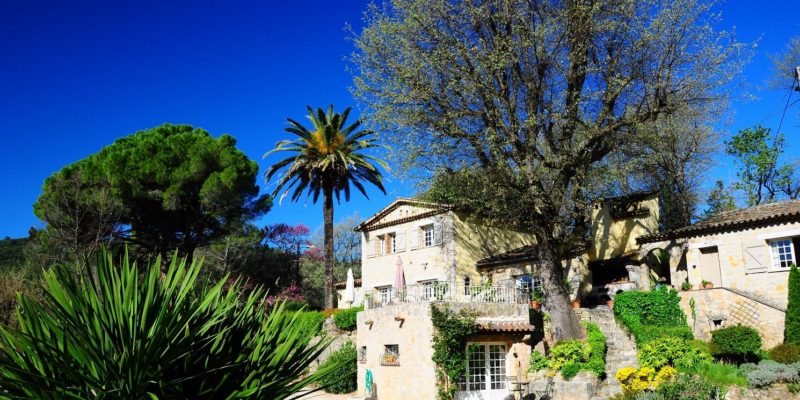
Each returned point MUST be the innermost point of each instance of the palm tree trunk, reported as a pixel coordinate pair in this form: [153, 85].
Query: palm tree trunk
[328, 214]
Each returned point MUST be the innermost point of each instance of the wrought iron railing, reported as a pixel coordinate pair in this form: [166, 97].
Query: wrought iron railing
[445, 291]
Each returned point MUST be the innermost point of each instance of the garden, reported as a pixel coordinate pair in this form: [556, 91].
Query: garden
[674, 365]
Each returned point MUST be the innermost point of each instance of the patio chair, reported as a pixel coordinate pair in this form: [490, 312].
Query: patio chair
[547, 392]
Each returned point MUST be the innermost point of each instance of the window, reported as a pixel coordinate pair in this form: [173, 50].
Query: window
[782, 254]
[467, 284]
[385, 294]
[388, 244]
[427, 235]
[391, 355]
[427, 290]
[362, 354]
[528, 283]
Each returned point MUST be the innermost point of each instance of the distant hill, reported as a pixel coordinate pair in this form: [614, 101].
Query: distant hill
[11, 252]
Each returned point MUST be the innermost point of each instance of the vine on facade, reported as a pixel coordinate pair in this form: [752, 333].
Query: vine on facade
[451, 332]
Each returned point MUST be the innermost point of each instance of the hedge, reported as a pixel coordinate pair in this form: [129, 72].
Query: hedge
[791, 332]
[346, 319]
[652, 315]
[736, 344]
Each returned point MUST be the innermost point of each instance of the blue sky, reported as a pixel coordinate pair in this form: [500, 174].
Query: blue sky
[77, 75]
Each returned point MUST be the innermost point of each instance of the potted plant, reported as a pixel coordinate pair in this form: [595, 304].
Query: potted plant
[707, 284]
[686, 285]
[536, 299]
[389, 359]
[576, 302]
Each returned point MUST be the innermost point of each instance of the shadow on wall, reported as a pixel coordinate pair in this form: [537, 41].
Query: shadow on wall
[477, 240]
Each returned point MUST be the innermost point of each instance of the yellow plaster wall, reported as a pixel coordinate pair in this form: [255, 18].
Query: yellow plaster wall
[475, 241]
[611, 238]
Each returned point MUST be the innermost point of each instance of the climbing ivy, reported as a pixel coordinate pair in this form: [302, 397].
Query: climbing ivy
[451, 332]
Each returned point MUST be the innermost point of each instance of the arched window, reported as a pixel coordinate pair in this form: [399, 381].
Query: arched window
[466, 285]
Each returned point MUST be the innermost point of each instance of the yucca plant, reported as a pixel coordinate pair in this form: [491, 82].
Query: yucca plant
[133, 335]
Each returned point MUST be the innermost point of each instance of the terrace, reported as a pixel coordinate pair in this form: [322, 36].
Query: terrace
[444, 292]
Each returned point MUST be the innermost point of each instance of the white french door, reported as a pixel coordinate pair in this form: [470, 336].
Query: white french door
[486, 372]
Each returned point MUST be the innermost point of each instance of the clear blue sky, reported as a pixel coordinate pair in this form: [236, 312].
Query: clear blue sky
[77, 75]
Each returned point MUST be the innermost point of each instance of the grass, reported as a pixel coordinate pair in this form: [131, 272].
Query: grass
[719, 373]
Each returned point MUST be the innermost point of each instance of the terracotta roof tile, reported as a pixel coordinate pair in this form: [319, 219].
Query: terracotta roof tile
[505, 326]
[763, 215]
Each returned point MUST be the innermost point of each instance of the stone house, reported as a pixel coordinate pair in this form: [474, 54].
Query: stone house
[449, 258]
[743, 257]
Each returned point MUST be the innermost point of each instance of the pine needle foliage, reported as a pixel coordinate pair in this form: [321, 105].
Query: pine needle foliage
[128, 334]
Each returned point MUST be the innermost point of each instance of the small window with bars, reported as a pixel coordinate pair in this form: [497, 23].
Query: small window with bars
[362, 354]
[391, 355]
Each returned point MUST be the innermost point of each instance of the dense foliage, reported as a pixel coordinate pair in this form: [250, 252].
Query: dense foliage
[128, 335]
[652, 315]
[329, 160]
[791, 332]
[346, 319]
[449, 341]
[736, 344]
[786, 353]
[344, 376]
[687, 387]
[673, 351]
[573, 356]
[172, 186]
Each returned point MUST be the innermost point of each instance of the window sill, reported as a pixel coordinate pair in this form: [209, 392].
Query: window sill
[390, 364]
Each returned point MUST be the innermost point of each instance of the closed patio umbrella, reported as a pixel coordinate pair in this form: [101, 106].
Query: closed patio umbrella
[399, 279]
[350, 288]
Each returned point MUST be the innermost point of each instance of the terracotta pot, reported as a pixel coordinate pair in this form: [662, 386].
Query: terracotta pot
[536, 305]
[708, 285]
[610, 304]
[576, 303]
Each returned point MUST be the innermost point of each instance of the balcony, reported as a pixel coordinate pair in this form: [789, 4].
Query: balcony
[444, 292]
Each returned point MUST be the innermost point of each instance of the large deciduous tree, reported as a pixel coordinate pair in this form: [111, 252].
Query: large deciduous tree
[326, 160]
[172, 187]
[532, 96]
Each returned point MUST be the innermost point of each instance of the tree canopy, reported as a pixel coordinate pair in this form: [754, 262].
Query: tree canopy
[171, 187]
[526, 99]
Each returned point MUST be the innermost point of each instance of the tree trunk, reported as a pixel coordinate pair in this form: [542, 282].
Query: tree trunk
[562, 316]
[328, 213]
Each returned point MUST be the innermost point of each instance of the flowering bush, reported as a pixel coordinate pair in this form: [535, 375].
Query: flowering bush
[291, 295]
[645, 378]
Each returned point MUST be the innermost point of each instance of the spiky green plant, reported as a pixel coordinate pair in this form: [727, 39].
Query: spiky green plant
[132, 335]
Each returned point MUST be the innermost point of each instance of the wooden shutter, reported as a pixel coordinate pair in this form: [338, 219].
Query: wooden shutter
[414, 238]
[756, 257]
[370, 248]
[400, 242]
[437, 233]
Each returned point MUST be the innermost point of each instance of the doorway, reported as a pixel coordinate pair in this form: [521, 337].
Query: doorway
[709, 265]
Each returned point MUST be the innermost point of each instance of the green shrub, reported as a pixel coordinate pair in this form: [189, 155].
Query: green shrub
[785, 353]
[568, 352]
[569, 370]
[652, 315]
[791, 332]
[537, 361]
[735, 344]
[343, 362]
[295, 305]
[133, 334]
[597, 357]
[346, 319]
[688, 387]
[673, 351]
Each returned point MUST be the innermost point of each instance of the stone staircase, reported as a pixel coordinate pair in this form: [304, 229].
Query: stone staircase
[621, 351]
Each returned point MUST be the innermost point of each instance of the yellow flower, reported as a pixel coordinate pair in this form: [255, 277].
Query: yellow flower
[665, 374]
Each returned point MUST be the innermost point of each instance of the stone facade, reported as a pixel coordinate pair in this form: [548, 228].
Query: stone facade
[720, 307]
[409, 327]
[433, 243]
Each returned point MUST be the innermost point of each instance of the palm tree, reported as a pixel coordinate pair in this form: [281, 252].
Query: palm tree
[327, 160]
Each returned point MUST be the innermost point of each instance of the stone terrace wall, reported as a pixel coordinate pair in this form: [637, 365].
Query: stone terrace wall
[732, 308]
